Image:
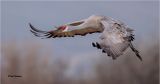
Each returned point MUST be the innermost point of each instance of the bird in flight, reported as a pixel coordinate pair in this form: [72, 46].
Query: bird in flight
[115, 36]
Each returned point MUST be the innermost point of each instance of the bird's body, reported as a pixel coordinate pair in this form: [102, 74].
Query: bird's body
[116, 37]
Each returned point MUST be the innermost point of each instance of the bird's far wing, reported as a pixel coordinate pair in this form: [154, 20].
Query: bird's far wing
[39, 33]
[76, 23]
[57, 33]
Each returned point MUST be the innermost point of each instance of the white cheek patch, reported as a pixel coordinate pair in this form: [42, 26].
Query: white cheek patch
[66, 29]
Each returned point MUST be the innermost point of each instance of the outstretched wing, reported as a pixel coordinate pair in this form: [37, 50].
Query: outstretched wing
[115, 43]
[70, 33]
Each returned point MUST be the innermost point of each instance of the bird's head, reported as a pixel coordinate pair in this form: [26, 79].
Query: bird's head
[63, 28]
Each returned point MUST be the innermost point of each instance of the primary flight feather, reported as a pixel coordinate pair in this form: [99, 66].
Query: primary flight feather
[116, 37]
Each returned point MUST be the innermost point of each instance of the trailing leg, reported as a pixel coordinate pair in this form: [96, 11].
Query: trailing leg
[135, 51]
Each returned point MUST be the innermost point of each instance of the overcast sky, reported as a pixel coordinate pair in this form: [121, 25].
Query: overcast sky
[142, 16]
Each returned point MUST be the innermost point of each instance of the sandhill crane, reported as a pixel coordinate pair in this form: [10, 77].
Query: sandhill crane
[116, 37]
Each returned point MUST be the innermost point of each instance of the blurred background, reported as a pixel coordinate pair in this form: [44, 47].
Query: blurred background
[74, 60]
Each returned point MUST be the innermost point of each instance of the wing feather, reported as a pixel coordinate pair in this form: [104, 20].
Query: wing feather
[58, 33]
[76, 23]
[81, 32]
[113, 41]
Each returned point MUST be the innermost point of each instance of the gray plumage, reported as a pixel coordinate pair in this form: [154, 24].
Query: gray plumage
[116, 37]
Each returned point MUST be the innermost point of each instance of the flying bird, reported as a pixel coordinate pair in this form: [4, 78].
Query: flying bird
[115, 36]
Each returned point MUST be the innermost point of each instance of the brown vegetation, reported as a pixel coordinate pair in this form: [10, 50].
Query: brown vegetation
[35, 68]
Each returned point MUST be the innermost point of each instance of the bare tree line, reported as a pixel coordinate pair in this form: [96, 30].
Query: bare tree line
[36, 68]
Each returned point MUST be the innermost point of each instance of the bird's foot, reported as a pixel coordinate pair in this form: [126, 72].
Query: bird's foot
[93, 44]
[103, 51]
[96, 45]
